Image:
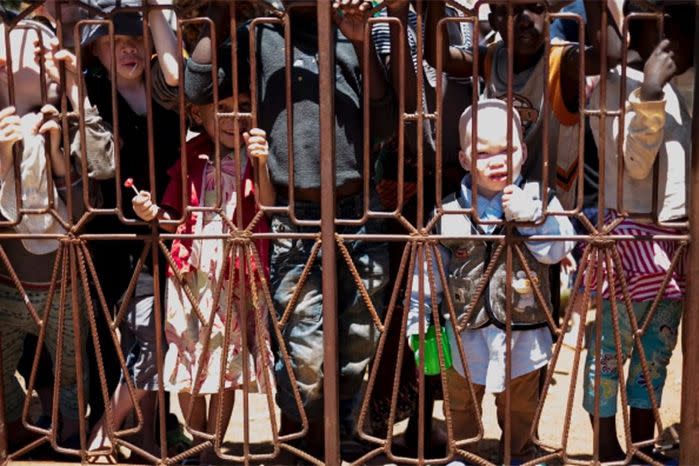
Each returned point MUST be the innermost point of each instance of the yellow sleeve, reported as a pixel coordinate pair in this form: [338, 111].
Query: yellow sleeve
[564, 116]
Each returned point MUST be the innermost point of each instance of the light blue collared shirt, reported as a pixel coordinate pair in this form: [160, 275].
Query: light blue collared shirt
[484, 347]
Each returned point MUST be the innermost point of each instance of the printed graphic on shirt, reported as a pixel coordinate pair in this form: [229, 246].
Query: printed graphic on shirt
[565, 178]
[462, 253]
[524, 291]
[527, 112]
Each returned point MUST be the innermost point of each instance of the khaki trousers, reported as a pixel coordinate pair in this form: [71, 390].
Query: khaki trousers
[524, 400]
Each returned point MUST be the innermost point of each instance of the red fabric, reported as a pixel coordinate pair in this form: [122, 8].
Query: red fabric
[199, 150]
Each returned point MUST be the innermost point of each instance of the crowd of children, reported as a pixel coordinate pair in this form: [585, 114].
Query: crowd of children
[238, 312]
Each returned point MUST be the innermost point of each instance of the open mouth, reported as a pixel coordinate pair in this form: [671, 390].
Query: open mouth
[130, 65]
[498, 177]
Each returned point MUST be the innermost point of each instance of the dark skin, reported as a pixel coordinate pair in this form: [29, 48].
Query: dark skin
[528, 30]
[659, 62]
[678, 29]
[658, 70]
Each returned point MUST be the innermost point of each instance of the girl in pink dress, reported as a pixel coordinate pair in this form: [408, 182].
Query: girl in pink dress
[205, 275]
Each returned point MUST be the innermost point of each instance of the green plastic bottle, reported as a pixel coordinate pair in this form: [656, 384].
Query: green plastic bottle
[431, 352]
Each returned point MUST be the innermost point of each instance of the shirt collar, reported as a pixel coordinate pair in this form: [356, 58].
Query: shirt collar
[487, 208]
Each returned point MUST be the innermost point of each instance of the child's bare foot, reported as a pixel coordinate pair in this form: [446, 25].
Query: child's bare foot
[99, 441]
[100, 448]
[107, 458]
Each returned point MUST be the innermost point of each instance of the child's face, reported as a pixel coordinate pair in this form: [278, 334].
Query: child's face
[130, 55]
[26, 73]
[205, 115]
[528, 25]
[491, 157]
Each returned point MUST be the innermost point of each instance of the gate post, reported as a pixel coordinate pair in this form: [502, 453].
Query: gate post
[689, 420]
[3, 424]
[326, 70]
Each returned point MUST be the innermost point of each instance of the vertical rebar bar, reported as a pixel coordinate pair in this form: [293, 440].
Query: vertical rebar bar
[3, 422]
[326, 61]
[689, 417]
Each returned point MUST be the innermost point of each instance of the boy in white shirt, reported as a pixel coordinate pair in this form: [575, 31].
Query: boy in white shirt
[481, 328]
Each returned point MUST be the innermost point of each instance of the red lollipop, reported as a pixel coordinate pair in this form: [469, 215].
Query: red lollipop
[128, 183]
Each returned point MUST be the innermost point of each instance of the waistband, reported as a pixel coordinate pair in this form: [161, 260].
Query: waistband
[29, 286]
[313, 195]
[348, 207]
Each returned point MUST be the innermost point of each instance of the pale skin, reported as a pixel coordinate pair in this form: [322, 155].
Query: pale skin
[23, 120]
[490, 175]
[257, 151]
[255, 142]
[131, 58]
[70, 15]
[53, 57]
[26, 72]
[12, 126]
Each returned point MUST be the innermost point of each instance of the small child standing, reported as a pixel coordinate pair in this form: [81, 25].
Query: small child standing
[194, 359]
[465, 261]
[657, 128]
[116, 261]
[36, 130]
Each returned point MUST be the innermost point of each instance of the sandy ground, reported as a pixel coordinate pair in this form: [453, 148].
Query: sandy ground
[551, 427]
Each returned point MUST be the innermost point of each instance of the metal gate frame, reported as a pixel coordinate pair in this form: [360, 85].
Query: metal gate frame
[75, 256]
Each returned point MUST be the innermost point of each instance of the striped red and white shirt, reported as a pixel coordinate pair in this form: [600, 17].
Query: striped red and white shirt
[645, 263]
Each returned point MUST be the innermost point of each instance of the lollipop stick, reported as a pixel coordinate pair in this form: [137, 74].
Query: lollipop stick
[129, 184]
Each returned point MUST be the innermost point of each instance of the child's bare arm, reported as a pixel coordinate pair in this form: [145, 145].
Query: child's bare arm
[98, 134]
[351, 17]
[147, 210]
[165, 43]
[570, 64]
[456, 61]
[219, 16]
[258, 151]
[49, 126]
[53, 56]
[10, 133]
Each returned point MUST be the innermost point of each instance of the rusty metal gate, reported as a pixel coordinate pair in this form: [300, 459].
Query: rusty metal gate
[75, 309]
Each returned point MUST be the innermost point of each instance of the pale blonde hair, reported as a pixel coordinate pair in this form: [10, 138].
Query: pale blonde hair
[483, 106]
